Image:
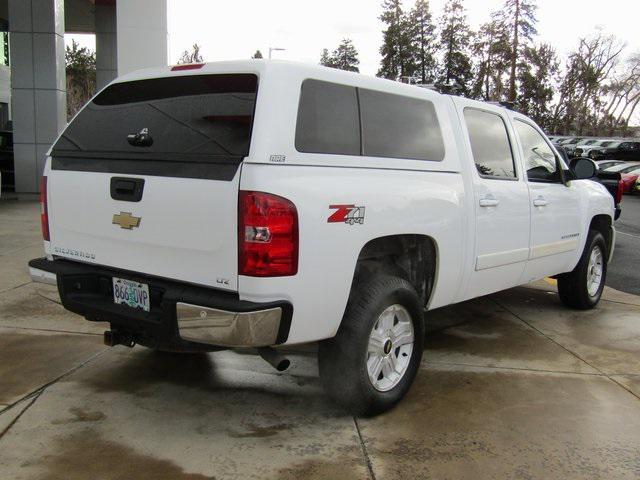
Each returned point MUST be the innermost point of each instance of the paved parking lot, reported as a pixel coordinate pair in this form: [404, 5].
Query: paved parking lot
[512, 386]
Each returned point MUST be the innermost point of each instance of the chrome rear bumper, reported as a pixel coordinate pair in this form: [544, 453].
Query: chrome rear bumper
[42, 276]
[228, 329]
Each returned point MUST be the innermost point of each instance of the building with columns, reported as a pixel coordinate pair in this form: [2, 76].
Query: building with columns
[130, 34]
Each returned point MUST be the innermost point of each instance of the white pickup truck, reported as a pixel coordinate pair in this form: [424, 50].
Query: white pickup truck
[262, 204]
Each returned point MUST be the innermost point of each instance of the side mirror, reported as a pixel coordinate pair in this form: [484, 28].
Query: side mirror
[583, 168]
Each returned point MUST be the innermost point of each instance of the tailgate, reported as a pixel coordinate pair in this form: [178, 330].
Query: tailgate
[146, 178]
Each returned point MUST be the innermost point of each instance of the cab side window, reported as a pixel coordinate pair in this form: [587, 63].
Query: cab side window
[490, 144]
[539, 160]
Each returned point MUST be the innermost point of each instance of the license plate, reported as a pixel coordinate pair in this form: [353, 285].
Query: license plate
[132, 294]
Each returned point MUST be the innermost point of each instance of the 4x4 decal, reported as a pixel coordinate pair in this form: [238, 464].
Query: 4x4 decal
[350, 214]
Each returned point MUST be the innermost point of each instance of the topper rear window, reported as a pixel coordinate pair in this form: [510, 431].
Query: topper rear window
[194, 118]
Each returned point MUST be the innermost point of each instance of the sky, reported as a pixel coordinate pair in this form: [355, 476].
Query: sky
[234, 29]
[231, 29]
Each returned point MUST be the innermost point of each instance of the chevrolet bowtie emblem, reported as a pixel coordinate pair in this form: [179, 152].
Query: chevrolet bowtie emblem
[126, 220]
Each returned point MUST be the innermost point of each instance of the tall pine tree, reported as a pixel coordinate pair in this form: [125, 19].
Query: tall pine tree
[454, 42]
[345, 57]
[491, 52]
[519, 17]
[325, 58]
[396, 50]
[422, 33]
[536, 75]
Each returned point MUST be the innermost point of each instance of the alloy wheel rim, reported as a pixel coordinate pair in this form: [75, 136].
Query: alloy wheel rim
[390, 347]
[595, 270]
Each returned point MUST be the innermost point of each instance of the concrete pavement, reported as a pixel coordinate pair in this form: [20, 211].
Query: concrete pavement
[512, 385]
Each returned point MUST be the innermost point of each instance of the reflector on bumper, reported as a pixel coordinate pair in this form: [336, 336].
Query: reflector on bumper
[228, 329]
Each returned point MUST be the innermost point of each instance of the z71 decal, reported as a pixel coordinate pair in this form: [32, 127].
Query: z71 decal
[349, 214]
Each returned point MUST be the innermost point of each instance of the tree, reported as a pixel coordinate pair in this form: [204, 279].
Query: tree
[258, 54]
[81, 76]
[396, 50]
[622, 98]
[192, 56]
[325, 58]
[345, 57]
[589, 74]
[421, 31]
[537, 73]
[454, 42]
[491, 52]
[520, 20]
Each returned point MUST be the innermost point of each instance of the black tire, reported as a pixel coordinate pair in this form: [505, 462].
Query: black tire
[343, 358]
[572, 286]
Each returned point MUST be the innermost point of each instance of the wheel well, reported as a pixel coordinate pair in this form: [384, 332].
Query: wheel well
[602, 224]
[412, 257]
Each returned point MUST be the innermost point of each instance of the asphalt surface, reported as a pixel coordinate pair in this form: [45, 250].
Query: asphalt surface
[624, 270]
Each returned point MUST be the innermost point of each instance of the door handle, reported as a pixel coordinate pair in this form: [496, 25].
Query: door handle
[489, 201]
[540, 202]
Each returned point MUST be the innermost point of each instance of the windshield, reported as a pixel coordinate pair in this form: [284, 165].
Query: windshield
[174, 118]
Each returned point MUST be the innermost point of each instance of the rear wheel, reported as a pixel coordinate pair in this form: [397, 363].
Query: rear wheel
[372, 361]
[582, 288]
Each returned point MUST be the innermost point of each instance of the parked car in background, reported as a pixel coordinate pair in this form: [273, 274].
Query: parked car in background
[572, 148]
[623, 167]
[636, 186]
[604, 164]
[622, 151]
[570, 141]
[583, 150]
[629, 178]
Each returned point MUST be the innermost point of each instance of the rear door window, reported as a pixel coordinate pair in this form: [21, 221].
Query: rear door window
[490, 144]
[195, 117]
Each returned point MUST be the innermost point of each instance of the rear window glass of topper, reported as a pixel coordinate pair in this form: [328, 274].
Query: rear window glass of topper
[188, 118]
[344, 120]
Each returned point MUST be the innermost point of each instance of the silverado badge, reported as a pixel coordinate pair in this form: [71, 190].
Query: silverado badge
[126, 220]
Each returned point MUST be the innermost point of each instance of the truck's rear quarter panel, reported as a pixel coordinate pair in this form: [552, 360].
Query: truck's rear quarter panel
[396, 202]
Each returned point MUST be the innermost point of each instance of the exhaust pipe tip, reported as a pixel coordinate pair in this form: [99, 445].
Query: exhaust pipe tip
[113, 337]
[273, 358]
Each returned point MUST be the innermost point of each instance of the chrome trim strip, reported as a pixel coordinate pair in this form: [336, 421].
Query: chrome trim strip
[498, 259]
[554, 248]
[41, 276]
[228, 329]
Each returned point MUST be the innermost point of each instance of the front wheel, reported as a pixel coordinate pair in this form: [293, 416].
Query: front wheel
[372, 361]
[582, 288]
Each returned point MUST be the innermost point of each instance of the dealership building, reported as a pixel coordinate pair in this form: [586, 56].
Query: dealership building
[130, 34]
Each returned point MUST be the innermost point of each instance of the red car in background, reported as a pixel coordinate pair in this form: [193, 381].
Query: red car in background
[629, 180]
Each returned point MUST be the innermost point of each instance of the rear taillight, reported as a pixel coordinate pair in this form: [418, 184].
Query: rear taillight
[44, 213]
[267, 235]
[619, 191]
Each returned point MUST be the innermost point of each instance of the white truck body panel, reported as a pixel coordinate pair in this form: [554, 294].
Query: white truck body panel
[172, 240]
